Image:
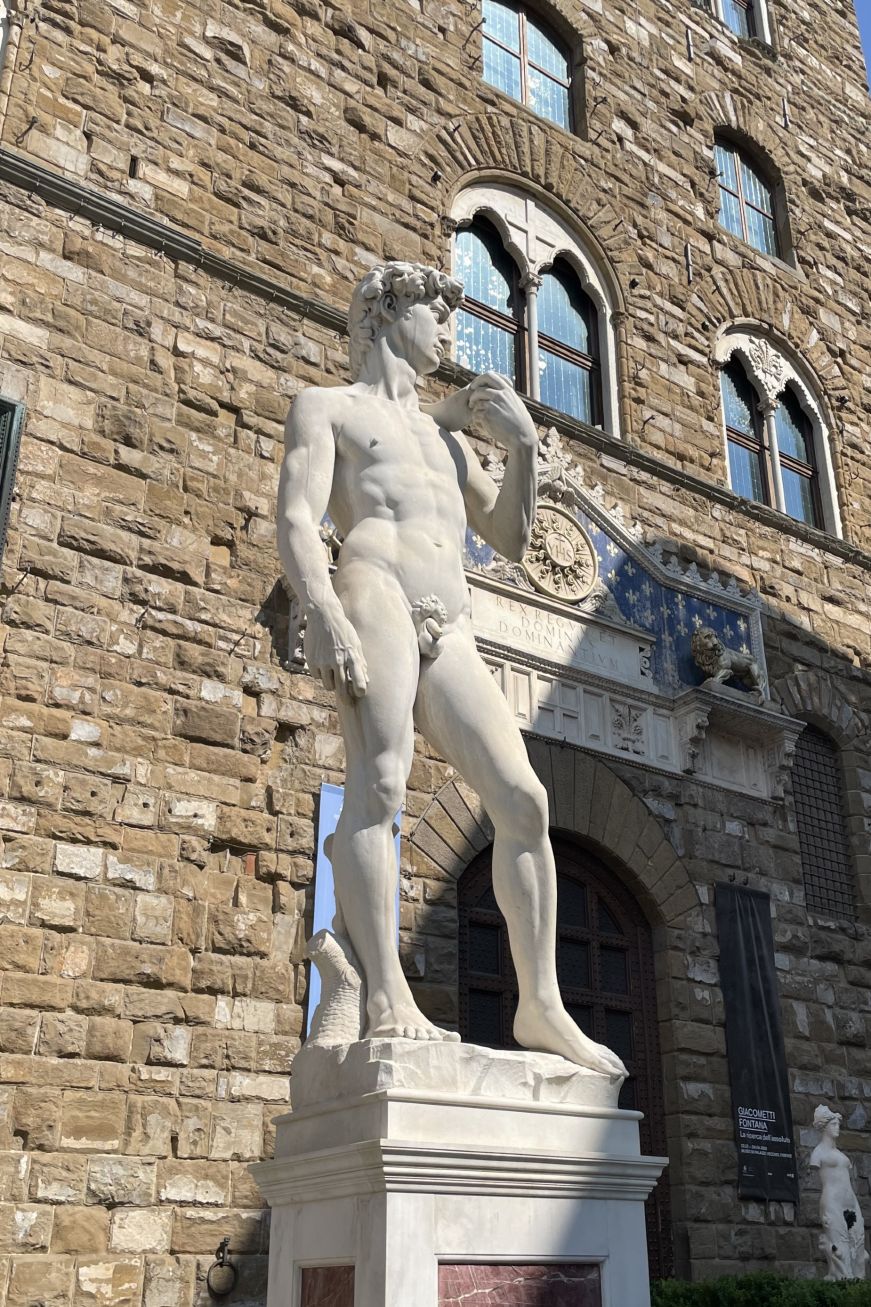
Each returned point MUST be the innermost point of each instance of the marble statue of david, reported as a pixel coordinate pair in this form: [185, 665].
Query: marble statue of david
[391, 633]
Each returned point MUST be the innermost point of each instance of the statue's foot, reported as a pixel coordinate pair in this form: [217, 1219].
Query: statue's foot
[401, 1020]
[548, 1028]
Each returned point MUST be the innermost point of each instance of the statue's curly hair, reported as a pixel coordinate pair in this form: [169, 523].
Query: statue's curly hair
[410, 281]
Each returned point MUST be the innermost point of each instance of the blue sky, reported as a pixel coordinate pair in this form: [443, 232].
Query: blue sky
[863, 9]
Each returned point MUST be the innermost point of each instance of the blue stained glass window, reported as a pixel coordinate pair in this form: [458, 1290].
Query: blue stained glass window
[730, 213]
[558, 313]
[548, 98]
[760, 232]
[486, 326]
[502, 69]
[743, 423]
[484, 347]
[795, 447]
[798, 495]
[544, 51]
[502, 23]
[474, 264]
[564, 385]
[745, 472]
[523, 59]
[739, 402]
[726, 166]
[567, 378]
[794, 434]
[739, 18]
[746, 199]
[756, 191]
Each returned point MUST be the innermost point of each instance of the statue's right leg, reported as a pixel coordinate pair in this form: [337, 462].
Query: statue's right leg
[379, 743]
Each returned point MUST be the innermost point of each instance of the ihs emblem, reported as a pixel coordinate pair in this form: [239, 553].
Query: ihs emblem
[560, 561]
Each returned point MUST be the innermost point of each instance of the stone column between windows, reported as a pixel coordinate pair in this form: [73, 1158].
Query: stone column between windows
[773, 453]
[530, 284]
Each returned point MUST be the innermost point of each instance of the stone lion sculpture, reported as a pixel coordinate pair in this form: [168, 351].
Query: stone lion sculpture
[721, 664]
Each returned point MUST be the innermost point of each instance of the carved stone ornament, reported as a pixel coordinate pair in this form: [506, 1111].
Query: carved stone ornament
[560, 561]
[721, 664]
[771, 370]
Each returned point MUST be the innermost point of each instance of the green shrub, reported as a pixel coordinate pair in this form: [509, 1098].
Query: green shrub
[764, 1290]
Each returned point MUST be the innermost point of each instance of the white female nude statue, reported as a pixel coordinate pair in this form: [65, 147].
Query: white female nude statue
[843, 1238]
[391, 633]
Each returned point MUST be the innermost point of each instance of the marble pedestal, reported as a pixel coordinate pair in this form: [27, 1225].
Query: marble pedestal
[419, 1175]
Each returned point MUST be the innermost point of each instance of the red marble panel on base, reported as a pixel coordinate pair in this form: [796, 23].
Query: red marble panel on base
[327, 1286]
[570, 1284]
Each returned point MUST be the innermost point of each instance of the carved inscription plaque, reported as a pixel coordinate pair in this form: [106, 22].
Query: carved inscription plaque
[560, 638]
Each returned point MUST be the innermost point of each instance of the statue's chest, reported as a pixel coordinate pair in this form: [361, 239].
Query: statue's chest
[398, 446]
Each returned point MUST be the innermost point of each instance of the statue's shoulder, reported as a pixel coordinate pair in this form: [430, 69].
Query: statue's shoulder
[322, 398]
[815, 1158]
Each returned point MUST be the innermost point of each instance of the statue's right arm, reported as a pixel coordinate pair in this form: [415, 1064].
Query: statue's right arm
[332, 646]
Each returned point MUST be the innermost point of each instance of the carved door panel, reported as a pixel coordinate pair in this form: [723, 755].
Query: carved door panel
[605, 972]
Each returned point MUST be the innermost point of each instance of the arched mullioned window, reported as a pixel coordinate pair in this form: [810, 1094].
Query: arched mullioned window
[747, 199]
[606, 978]
[528, 61]
[536, 309]
[776, 431]
[823, 834]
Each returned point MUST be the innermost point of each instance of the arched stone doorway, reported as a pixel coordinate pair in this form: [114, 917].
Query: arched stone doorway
[606, 977]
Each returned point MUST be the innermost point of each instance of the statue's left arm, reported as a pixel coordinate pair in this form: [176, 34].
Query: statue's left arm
[502, 515]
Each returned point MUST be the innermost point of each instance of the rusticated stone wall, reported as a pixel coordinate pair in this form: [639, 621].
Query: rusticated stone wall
[159, 759]
[303, 137]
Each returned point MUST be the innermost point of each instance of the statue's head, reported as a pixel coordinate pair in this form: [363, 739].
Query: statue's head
[409, 301]
[826, 1119]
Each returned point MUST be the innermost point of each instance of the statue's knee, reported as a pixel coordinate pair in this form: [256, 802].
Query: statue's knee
[527, 813]
[386, 795]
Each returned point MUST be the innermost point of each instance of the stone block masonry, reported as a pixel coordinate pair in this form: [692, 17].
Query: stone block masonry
[160, 761]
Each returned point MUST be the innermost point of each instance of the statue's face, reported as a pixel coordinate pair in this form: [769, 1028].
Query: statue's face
[420, 334]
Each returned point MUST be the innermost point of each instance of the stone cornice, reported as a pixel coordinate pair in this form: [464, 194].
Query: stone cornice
[114, 215]
[395, 1166]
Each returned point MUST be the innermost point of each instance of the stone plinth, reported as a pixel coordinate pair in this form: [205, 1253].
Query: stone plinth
[372, 1065]
[426, 1190]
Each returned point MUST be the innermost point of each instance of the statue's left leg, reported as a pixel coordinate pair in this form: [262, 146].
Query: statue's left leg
[463, 713]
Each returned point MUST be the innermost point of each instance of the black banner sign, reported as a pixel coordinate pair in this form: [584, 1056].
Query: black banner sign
[754, 1043]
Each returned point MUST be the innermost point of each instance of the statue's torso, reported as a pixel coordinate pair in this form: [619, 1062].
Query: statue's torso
[836, 1179]
[397, 499]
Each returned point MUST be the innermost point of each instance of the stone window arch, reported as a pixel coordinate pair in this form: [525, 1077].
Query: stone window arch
[554, 333]
[526, 58]
[606, 974]
[819, 795]
[776, 429]
[752, 198]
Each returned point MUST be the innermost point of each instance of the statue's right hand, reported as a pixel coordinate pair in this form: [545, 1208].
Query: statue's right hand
[334, 653]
